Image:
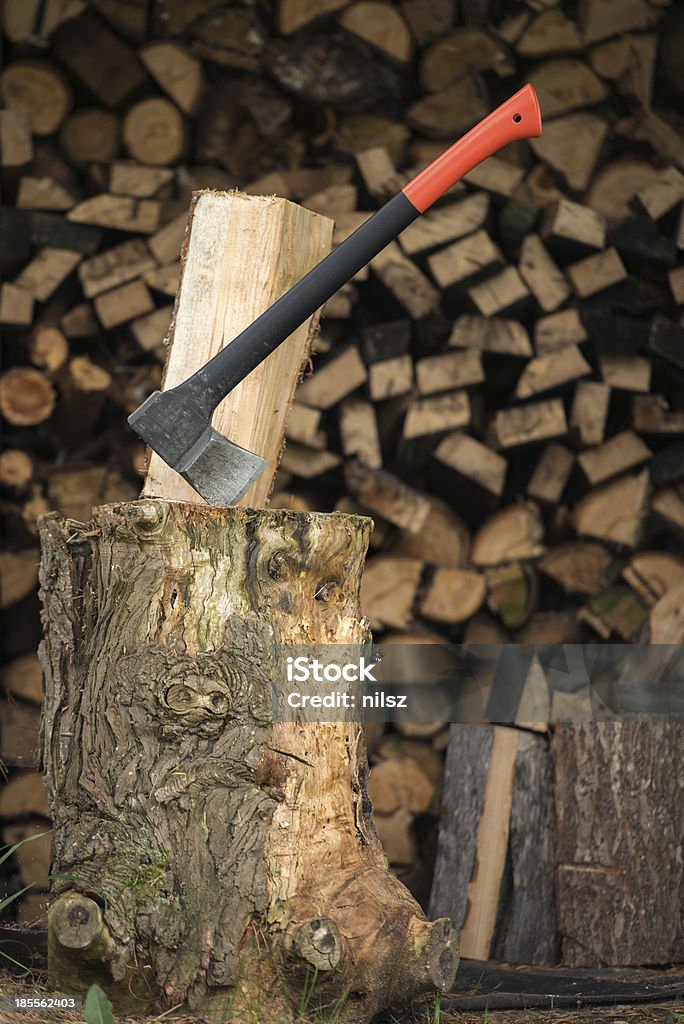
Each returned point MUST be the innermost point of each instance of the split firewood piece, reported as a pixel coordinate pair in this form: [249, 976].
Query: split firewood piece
[580, 567]
[300, 460]
[669, 503]
[653, 573]
[24, 794]
[294, 14]
[333, 200]
[468, 458]
[359, 431]
[98, 57]
[16, 471]
[26, 396]
[453, 595]
[37, 88]
[571, 226]
[468, 258]
[333, 381]
[408, 284]
[388, 590]
[385, 340]
[543, 373]
[91, 135]
[75, 492]
[114, 267]
[571, 145]
[541, 275]
[400, 782]
[622, 452]
[626, 373]
[16, 306]
[566, 84]
[130, 179]
[589, 412]
[33, 858]
[667, 616]
[122, 213]
[19, 729]
[445, 224]
[663, 194]
[122, 304]
[512, 534]
[504, 337]
[428, 19]
[381, 528]
[48, 348]
[385, 494]
[596, 273]
[550, 32]
[444, 539]
[389, 378]
[496, 175]
[397, 836]
[652, 415]
[23, 677]
[18, 576]
[80, 322]
[449, 112]
[551, 474]
[500, 293]
[449, 370]
[378, 172]
[16, 144]
[464, 49]
[617, 610]
[164, 280]
[47, 271]
[43, 194]
[176, 71]
[615, 184]
[151, 330]
[304, 426]
[165, 244]
[557, 330]
[84, 389]
[153, 132]
[381, 25]
[614, 512]
[437, 414]
[600, 19]
[528, 424]
[511, 593]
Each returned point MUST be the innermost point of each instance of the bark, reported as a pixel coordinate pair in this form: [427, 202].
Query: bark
[205, 852]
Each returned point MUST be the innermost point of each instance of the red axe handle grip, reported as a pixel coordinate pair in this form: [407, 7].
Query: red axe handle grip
[517, 118]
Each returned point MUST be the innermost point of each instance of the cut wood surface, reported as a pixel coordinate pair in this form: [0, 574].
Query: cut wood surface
[525, 424]
[473, 460]
[615, 511]
[513, 533]
[550, 371]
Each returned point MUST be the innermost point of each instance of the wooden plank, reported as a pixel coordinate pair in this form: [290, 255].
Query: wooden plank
[221, 226]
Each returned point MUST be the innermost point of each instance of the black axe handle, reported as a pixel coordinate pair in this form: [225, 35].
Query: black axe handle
[518, 118]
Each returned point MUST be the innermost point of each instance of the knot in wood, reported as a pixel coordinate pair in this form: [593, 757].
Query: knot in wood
[325, 591]
[319, 943]
[197, 700]
[147, 518]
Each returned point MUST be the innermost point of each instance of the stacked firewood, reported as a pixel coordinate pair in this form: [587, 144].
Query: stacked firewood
[501, 389]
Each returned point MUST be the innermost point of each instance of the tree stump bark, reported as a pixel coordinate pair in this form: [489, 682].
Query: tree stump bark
[206, 853]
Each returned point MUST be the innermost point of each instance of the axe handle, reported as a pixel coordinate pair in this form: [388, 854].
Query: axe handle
[518, 118]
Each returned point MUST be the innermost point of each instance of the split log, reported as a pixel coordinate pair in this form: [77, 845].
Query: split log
[571, 145]
[359, 432]
[566, 84]
[551, 474]
[304, 425]
[177, 72]
[388, 591]
[333, 381]
[114, 267]
[19, 576]
[33, 858]
[445, 224]
[622, 452]
[614, 512]
[470, 459]
[469, 258]
[464, 49]
[444, 540]
[16, 144]
[551, 371]
[122, 304]
[16, 305]
[23, 678]
[389, 378]
[19, 730]
[119, 212]
[97, 56]
[590, 411]
[453, 595]
[448, 371]
[528, 424]
[385, 494]
[505, 337]
[153, 132]
[405, 281]
[437, 414]
[626, 373]
[541, 275]
[570, 227]
[652, 415]
[513, 533]
[26, 396]
[43, 194]
[22, 795]
[496, 175]
[47, 271]
[596, 273]
[84, 389]
[499, 294]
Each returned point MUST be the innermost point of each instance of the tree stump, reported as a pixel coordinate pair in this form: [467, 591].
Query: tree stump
[206, 853]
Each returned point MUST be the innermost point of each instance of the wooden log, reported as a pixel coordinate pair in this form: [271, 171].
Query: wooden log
[153, 132]
[444, 540]
[626, 373]
[400, 782]
[299, 460]
[550, 32]
[590, 411]
[48, 348]
[91, 135]
[652, 573]
[570, 227]
[511, 593]
[497, 176]
[596, 273]
[359, 431]
[226, 216]
[473, 461]
[16, 305]
[176, 71]
[46, 272]
[514, 533]
[381, 492]
[615, 511]
[468, 258]
[114, 267]
[437, 414]
[445, 224]
[449, 112]
[304, 425]
[22, 795]
[122, 304]
[33, 858]
[462, 50]
[453, 595]
[119, 212]
[615, 612]
[16, 470]
[336, 379]
[23, 678]
[651, 414]
[541, 275]
[410, 287]
[98, 57]
[389, 378]
[566, 83]
[80, 321]
[500, 293]
[505, 337]
[571, 145]
[26, 396]
[546, 372]
[165, 244]
[294, 14]
[16, 144]
[551, 474]
[623, 451]
[600, 20]
[163, 279]
[388, 590]
[449, 370]
[660, 196]
[37, 88]
[130, 179]
[43, 194]
[380, 25]
[529, 424]
[580, 567]
[427, 19]
[557, 330]
[599, 890]
[84, 388]
[19, 728]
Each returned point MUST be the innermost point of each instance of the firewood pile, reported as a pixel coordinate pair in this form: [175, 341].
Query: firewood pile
[501, 389]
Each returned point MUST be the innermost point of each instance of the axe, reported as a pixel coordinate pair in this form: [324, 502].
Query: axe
[177, 423]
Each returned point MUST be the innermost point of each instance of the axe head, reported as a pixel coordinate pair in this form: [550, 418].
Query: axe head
[181, 434]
